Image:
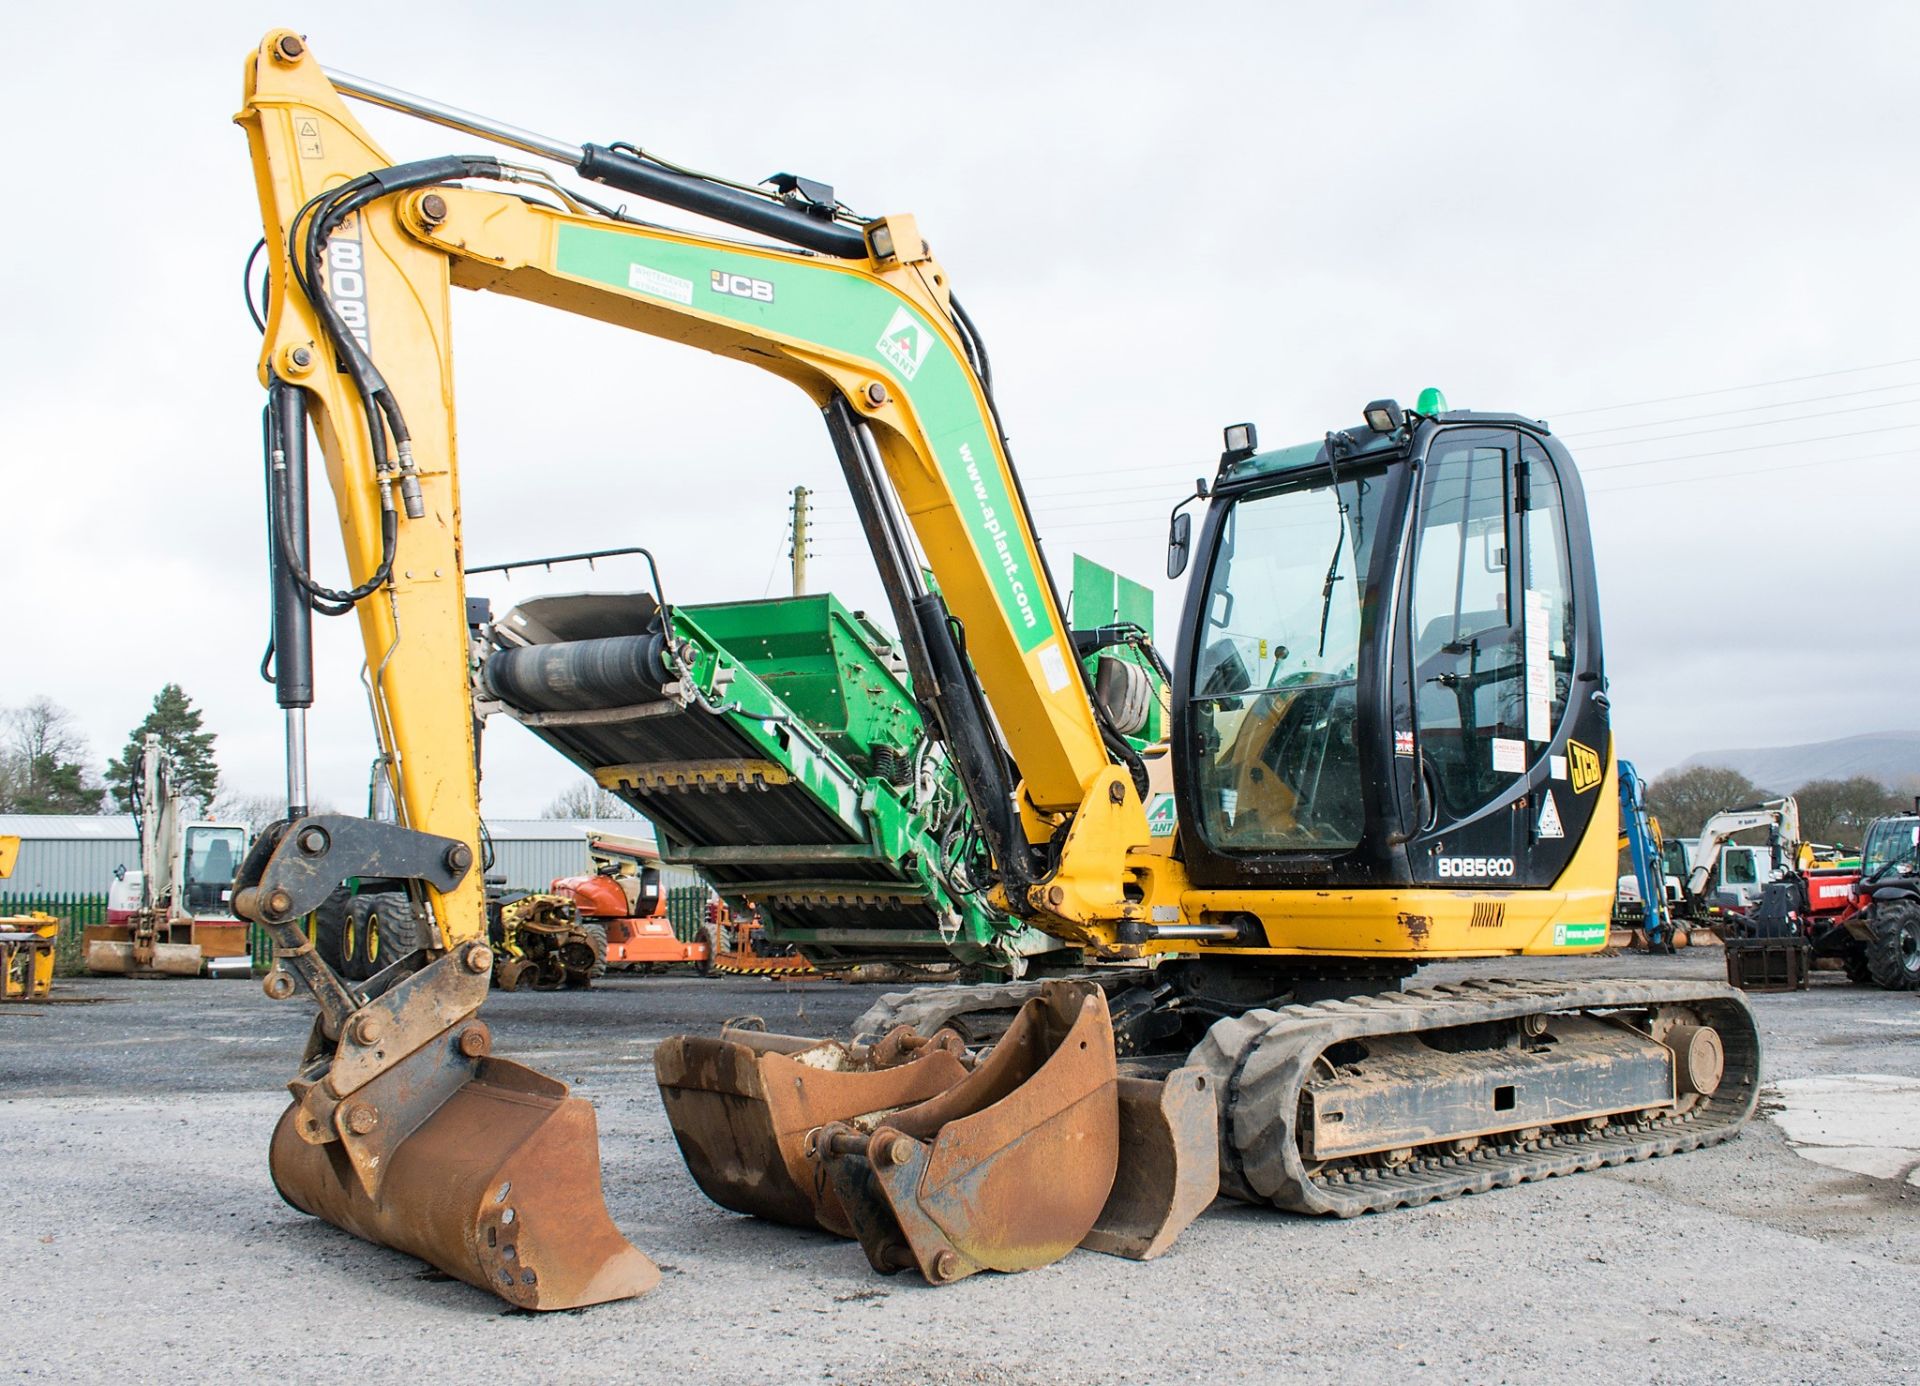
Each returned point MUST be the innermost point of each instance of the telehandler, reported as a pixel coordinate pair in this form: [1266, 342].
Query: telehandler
[1389, 744]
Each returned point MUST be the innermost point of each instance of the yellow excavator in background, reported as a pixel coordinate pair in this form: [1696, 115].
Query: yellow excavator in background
[1389, 744]
[26, 941]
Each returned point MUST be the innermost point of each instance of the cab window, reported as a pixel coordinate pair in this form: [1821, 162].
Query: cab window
[1889, 843]
[1274, 674]
[1469, 669]
[212, 856]
[1548, 597]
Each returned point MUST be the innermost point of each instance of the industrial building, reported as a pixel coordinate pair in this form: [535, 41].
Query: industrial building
[75, 855]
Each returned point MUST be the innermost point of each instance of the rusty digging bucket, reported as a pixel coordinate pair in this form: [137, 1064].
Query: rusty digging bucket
[113, 958]
[1009, 1168]
[484, 1167]
[1169, 1169]
[744, 1106]
[943, 1165]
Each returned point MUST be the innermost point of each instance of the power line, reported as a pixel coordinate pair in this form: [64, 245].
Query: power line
[1734, 428]
[1746, 409]
[1755, 471]
[1732, 389]
[1142, 523]
[1158, 494]
[1753, 447]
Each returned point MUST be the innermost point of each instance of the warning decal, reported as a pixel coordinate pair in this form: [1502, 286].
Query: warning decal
[1550, 818]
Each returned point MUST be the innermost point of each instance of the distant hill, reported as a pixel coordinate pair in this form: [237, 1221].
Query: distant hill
[1892, 757]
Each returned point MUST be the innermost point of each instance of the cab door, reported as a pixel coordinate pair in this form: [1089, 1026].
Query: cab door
[1501, 665]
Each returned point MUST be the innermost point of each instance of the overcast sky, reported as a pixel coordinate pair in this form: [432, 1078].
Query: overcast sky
[1164, 219]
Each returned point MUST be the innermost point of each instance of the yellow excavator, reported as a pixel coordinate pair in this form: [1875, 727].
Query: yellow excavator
[1389, 743]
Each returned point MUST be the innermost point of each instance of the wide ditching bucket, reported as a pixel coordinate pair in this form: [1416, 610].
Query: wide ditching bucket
[744, 1108]
[141, 949]
[484, 1167]
[115, 958]
[1008, 1169]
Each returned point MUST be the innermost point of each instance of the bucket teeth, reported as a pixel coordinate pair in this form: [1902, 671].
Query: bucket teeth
[1008, 1169]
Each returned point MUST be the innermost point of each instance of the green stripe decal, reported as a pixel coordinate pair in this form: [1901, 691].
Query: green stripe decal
[1579, 935]
[844, 313]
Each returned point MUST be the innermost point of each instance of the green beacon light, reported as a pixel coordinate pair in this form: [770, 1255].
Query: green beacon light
[1431, 402]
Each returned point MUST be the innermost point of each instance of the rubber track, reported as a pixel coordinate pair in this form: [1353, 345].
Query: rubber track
[1262, 1059]
[928, 1009]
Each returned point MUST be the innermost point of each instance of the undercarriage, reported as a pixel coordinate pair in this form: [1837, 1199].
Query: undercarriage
[1346, 1098]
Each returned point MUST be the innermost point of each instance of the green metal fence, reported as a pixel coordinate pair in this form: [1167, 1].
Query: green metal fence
[75, 912]
[687, 911]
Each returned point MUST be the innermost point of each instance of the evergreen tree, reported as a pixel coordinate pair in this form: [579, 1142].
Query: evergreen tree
[52, 787]
[177, 722]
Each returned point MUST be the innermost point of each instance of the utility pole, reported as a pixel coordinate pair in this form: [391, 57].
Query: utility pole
[799, 540]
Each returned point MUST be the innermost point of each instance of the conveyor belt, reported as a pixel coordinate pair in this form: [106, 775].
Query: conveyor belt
[696, 774]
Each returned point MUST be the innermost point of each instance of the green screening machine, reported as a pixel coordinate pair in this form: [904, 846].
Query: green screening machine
[776, 747]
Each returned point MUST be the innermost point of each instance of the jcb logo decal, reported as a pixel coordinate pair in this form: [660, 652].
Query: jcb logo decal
[1583, 767]
[740, 286]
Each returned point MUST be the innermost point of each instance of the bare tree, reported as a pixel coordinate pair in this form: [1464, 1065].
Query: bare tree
[588, 800]
[43, 762]
[1839, 810]
[257, 811]
[1683, 800]
[43, 728]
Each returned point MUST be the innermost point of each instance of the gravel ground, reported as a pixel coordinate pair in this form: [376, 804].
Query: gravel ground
[144, 1241]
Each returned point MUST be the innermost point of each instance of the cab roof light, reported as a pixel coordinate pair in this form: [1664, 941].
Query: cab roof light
[1431, 402]
[1242, 439]
[1384, 415]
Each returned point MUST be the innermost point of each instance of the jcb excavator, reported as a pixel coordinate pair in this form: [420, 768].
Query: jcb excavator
[1389, 744]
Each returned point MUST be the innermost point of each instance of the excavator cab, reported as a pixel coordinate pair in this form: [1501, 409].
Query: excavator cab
[1382, 644]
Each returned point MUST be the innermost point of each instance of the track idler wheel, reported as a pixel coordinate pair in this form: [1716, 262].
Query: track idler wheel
[742, 1107]
[1007, 1170]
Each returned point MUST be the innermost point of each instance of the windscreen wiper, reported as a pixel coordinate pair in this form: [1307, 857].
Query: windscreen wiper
[1333, 576]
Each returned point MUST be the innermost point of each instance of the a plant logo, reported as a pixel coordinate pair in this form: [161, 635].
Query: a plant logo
[1162, 816]
[905, 343]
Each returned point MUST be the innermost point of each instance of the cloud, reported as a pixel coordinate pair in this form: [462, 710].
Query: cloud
[1164, 222]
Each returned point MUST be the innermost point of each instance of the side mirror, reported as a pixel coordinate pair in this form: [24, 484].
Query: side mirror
[1179, 544]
